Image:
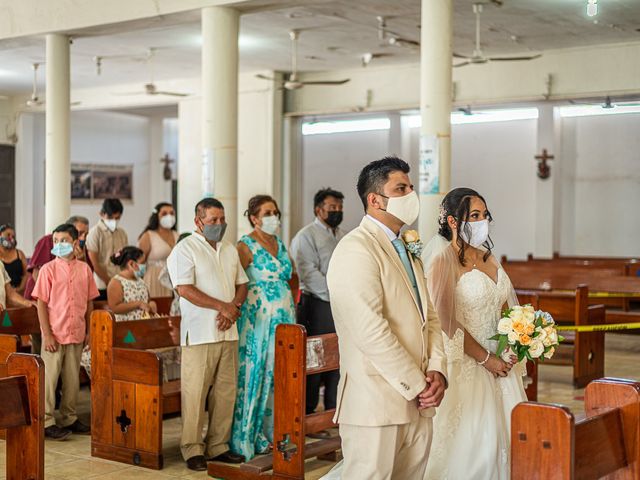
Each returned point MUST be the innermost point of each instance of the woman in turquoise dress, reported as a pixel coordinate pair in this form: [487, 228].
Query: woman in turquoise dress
[268, 304]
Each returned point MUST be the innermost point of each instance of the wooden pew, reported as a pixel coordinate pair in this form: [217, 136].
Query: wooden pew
[128, 396]
[16, 324]
[549, 443]
[296, 357]
[630, 266]
[22, 415]
[611, 291]
[583, 351]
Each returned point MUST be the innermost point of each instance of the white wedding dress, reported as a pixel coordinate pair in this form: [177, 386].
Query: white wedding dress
[472, 425]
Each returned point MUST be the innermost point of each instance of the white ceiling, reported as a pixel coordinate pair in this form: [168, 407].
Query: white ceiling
[334, 35]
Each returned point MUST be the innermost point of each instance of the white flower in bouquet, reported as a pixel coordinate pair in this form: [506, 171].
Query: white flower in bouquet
[504, 326]
[552, 333]
[536, 348]
[529, 314]
[542, 334]
[549, 353]
[513, 337]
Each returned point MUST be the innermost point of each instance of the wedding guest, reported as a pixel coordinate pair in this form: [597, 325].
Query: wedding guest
[13, 259]
[311, 249]
[269, 303]
[105, 239]
[65, 290]
[42, 255]
[156, 242]
[207, 273]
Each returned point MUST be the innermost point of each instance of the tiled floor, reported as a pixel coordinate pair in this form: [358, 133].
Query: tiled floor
[71, 459]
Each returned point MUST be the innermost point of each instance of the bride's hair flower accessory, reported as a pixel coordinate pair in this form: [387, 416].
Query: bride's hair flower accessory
[442, 217]
[414, 244]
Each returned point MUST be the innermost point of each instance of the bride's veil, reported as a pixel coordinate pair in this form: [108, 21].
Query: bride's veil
[442, 272]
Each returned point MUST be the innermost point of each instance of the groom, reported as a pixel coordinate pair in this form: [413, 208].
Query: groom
[392, 361]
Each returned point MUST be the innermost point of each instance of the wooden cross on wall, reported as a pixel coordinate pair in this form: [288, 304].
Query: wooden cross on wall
[166, 173]
[544, 169]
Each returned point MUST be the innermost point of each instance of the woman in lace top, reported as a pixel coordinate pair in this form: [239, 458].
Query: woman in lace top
[469, 290]
[127, 293]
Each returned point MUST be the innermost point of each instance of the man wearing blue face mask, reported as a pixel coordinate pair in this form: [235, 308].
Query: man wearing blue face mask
[207, 274]
[42, 255]
[65, 289]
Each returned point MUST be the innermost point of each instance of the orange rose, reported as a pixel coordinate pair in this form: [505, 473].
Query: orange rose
[529, 329]
[518, 327]
[525, 339]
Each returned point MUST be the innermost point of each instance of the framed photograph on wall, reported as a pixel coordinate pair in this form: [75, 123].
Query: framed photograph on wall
[97, 182]
[80, 182]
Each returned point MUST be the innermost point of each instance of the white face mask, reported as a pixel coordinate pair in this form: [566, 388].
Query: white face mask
[270, 225]
[168, 221]
[405, 208]
[111, 223]
[479, 232]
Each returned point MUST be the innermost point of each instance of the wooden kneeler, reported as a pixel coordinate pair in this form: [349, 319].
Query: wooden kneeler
[548, 443]
[296, 357]
[22, 414]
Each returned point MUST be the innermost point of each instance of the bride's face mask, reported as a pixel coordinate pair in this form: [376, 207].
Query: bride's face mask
[475, 231]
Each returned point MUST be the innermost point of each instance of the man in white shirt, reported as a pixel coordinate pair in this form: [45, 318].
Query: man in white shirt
[311, 249]
[212, 285]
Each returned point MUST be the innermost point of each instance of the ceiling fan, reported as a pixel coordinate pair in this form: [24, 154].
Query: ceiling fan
[608, 103]
[148, 88]
[292, 82]
[35, 100]
[386, 37]
[478, 56]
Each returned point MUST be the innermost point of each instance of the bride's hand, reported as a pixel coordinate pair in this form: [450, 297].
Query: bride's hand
[497, 366]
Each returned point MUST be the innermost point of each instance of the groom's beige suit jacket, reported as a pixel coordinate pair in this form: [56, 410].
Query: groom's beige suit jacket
[386, 343]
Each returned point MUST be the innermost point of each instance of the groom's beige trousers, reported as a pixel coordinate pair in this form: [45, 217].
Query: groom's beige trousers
[393, 452]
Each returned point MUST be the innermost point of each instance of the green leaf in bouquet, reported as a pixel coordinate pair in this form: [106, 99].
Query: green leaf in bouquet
[538, 322]
[496, 337]
[560, 338]
[502, 344]
[522, 353]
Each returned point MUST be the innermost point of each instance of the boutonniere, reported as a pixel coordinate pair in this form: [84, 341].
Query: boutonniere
[414, 244]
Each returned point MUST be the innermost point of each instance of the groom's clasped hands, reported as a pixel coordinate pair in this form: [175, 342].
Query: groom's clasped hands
[433, 392]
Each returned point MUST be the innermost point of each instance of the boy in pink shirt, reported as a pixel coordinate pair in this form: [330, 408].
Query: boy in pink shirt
[65, 289]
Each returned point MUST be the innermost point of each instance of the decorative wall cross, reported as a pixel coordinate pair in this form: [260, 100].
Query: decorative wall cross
[544, 169]
[166, 173]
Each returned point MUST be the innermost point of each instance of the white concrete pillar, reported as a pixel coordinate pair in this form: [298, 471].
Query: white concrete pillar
[58, 169]
[435, 111]
[547, 191]
[189, 163]
[220, 26]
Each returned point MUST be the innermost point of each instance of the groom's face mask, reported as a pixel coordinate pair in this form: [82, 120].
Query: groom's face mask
[402, 201]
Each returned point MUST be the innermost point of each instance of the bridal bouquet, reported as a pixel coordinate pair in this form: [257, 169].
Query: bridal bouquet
[528, 333]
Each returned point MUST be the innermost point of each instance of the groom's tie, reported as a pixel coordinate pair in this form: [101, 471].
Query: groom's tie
[398, 244]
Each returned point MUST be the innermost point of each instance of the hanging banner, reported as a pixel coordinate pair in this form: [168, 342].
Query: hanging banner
[207, 172]
[429, 165]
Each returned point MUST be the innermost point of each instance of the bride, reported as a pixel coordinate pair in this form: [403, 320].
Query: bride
[469, 290]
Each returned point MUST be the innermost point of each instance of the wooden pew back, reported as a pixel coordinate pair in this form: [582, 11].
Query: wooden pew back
[163, 304]
[548, 443]
[585, 350]
[14, 324]
[22, 414]
[296, 356]
[128, 396]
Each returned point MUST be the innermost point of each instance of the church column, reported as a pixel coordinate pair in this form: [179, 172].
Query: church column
[547, 191]
[57, 169]
[435, 111]
[220, 27]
